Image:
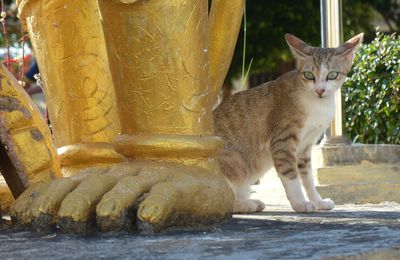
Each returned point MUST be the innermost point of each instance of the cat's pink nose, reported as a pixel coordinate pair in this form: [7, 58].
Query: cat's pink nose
[319, 91]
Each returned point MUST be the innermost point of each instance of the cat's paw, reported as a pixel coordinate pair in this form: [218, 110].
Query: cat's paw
[325, 204]
[306, 206]
[248, 205]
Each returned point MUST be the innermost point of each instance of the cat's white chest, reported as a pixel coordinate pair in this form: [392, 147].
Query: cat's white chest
[319, 114]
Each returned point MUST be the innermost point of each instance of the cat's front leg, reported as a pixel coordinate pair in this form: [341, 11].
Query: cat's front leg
[284, 156]
[307, 179]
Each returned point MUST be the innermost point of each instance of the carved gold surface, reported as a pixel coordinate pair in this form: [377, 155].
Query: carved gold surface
[69, 47]
[27, 152]
[160, 64]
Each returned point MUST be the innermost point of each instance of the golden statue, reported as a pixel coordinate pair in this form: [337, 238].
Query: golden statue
[139, 147]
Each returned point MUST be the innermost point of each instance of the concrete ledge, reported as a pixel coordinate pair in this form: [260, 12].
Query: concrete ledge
[358, 173]
[365, 183]
[325, 156]
[362, 173]
[374, 192]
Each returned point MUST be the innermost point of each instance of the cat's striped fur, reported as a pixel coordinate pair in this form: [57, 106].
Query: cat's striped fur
[277, 123]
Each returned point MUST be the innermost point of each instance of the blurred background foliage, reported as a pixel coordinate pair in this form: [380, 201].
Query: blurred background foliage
[14, 31]
[269, 20]
[372, 91]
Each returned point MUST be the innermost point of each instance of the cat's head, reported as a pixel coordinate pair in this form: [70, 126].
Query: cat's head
[323, 70]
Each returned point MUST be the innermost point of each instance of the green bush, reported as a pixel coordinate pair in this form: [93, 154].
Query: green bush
[372, 92]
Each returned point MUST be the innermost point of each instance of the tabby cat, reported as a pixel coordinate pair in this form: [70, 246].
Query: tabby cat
[277, 123]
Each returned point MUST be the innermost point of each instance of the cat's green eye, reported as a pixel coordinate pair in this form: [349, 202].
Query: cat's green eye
[309, 75]
[332, 75]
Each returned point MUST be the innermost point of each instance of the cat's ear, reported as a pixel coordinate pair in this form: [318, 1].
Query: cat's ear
[299, 48]
[348, 49]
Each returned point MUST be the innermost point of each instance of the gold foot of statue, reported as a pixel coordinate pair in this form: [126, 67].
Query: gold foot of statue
[167, 60]
[145, 196]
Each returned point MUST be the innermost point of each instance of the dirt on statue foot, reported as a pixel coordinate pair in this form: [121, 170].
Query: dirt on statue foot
[145, 196]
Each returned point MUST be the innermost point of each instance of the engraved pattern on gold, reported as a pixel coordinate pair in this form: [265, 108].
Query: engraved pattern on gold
[69, 46]
[159, 59]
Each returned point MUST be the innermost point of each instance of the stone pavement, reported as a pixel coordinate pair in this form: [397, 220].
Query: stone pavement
[355, 231]
[369, 231]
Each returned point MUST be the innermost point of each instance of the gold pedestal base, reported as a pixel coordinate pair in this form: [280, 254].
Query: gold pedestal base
[77, 157]
[185, 149]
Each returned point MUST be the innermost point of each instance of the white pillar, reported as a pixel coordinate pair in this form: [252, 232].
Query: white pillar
[332, 36]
